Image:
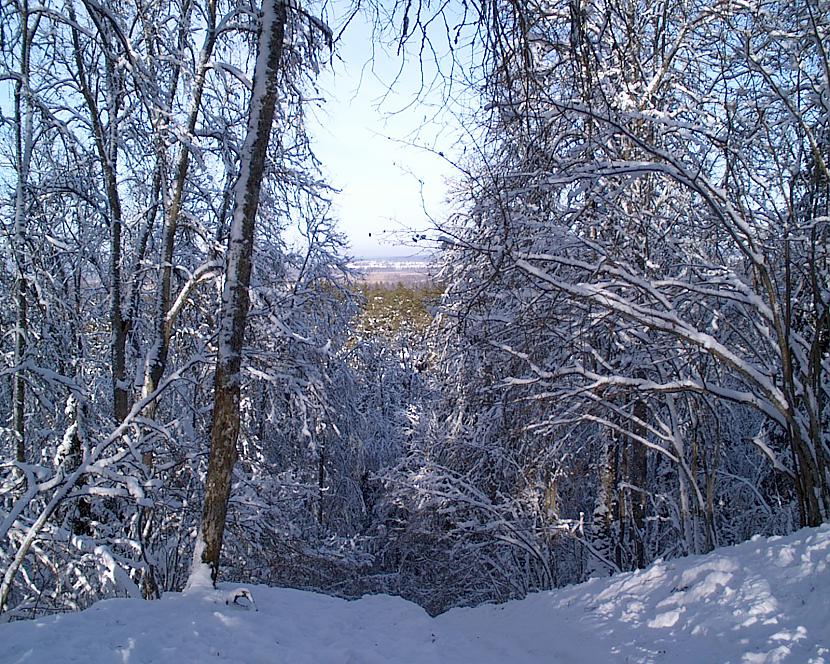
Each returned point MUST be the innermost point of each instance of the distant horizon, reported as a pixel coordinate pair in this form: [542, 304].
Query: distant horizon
[393, 255]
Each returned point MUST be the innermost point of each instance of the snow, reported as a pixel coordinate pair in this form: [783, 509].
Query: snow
[761, 601]
[390, 264]
[200, 577]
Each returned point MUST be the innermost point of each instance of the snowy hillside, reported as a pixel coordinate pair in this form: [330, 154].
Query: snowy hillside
[762, 601]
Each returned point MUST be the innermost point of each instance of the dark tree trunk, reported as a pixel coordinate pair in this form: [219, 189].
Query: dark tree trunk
[24, 137]
[107, 148]
[639, 476]
[235, 299]
[157, 361]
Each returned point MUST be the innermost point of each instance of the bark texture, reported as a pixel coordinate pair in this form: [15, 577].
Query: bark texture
[235, 298]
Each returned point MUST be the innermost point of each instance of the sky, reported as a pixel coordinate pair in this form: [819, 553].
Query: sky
[379, 142]
[379, 146]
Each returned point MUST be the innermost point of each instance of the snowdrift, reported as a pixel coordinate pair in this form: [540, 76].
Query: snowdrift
[767, 600]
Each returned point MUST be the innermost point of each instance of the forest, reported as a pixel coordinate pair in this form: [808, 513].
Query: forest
[626, 355]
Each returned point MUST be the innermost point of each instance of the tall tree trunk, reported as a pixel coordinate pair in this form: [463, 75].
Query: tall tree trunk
[638, 467]
[157, 357]
[24, 138]
[107, 149]
[235, 298]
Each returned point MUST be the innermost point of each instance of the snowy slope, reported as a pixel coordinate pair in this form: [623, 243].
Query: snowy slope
[762, 601]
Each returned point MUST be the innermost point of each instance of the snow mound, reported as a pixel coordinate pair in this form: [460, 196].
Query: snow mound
[762, 601]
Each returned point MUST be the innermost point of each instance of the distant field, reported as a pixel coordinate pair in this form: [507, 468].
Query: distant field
[393, 272]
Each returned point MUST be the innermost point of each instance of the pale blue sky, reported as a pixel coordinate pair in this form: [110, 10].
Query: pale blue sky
[364, 136]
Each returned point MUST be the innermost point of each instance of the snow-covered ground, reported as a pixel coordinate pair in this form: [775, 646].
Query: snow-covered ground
[761, 601]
